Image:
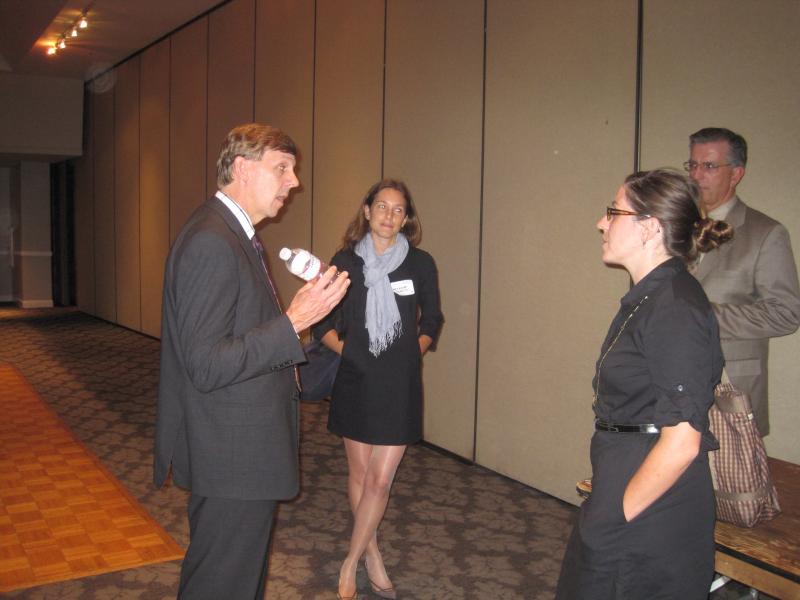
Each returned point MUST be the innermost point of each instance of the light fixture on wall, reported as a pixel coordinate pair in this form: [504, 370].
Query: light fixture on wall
[70, 32]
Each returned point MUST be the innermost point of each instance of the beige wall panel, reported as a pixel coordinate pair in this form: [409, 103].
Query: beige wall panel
[735, 65]
[434, 87]
[187, 123]
[84, 217]
[126, 194]
[32, 248]
[104, 244]
[560, 100]
[284, 97]
[35, 193]
[348, 111]
[154, 181]
[231, 46]
[35, 290]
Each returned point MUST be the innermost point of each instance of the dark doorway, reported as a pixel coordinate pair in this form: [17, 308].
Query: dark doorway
[62, 185]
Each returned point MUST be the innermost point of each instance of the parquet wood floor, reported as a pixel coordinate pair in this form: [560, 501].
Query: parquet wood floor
[62, 514]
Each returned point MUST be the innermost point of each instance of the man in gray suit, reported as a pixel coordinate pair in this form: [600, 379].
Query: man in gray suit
[227, 419]
[752, 280]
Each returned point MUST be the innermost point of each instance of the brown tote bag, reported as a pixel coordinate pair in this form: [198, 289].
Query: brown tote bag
[739, 469]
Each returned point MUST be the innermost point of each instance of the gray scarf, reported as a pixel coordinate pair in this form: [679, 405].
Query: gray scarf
[383, 318]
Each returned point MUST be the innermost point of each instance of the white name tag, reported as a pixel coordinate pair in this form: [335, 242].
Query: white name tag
[403, 288]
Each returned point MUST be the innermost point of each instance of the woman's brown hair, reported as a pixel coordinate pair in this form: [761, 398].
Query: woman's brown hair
[672, 198]
[359, 226]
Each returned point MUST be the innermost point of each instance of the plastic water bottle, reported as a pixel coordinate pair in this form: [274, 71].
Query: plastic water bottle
[302, 263]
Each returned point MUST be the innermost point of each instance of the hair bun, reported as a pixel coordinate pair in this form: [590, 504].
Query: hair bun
[710, 234]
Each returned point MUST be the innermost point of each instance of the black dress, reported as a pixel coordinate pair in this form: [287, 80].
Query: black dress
[378, 400]
[662, 369]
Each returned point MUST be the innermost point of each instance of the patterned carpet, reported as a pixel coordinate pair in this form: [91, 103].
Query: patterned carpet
[451, 531]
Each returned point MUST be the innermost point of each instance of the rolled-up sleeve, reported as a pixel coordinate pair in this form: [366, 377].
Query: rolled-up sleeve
[680, 356]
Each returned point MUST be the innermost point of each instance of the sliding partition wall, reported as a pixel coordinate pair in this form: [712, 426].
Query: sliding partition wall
[737, 65]
[513, 123]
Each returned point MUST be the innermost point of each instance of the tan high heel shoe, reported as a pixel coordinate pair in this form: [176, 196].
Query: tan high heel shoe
[355, 593]
[390, 593]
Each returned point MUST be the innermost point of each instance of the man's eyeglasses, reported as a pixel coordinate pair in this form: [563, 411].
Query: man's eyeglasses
[691, 165]
[611, 211]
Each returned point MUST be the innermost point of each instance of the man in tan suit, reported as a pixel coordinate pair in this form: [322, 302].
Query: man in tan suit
[752, 280]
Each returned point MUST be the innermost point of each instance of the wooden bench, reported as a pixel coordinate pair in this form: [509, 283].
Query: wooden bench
[767, 557]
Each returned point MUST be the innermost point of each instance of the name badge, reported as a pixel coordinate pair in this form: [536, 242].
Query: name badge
[403, 288]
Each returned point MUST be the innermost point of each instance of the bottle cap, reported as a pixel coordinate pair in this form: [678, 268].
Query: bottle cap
[285, 253]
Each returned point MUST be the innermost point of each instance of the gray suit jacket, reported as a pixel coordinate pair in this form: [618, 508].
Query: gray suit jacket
[227, 402]
[752, 284]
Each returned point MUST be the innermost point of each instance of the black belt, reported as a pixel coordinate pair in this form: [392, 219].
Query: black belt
[617, 428]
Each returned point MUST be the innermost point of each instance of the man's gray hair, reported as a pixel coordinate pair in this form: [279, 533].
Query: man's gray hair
[737, 155]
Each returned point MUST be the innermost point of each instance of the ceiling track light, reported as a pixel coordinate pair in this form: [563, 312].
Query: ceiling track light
[71, 32]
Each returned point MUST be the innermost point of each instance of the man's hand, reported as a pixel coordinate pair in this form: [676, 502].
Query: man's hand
[316, 299]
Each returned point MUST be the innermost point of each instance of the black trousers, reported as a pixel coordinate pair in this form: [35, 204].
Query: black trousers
[228, 547]
[665, 553]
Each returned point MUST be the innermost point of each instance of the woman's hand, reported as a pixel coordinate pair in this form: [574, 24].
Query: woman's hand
[665, 463]
[425, 342]
[332, 341]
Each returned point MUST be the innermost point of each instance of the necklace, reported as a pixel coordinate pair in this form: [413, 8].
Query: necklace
[610, 346]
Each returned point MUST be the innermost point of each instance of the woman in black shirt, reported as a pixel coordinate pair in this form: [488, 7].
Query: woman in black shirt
[386, 322]
[647, 530]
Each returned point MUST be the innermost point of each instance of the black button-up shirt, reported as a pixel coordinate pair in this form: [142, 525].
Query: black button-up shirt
[664, 365]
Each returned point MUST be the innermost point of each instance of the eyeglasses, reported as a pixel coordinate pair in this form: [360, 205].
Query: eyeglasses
[691, 165]
[611, 211]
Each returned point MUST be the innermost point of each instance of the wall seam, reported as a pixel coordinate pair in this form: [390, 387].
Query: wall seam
[255, 41]
[169, 146]
[313, 124]
[114, 195]
[480, 238]
[383, 98]
[139, 191]
[205, 145]
[637, 126]
[93, 133]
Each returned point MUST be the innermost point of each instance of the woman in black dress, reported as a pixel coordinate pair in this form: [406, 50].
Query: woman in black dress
[647, 530]
[386, 322]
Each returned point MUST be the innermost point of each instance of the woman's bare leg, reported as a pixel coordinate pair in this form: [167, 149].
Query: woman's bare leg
[371, 473]
[358, 456]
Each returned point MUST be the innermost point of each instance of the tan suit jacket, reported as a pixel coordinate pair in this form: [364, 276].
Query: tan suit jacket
[752, 284]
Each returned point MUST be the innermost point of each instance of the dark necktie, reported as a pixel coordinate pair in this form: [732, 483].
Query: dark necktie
[260, 250]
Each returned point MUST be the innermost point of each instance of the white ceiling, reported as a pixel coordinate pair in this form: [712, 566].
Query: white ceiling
[117, 29]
